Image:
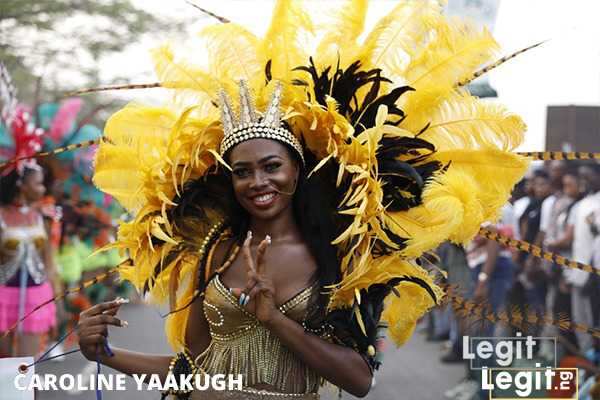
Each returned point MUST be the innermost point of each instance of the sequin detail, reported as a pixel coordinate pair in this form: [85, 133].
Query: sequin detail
[242, 345]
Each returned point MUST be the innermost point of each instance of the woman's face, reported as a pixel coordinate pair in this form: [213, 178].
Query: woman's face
[33, 186]
[261, 170]
[570, 186]
[541, 187]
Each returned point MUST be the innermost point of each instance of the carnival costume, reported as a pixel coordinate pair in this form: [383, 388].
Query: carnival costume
[406, 156]
[24, 283]
[412, 158]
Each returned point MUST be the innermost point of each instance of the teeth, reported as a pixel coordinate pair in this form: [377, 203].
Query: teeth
[265, 197]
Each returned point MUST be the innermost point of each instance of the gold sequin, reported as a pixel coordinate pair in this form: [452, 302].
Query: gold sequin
[242, 345]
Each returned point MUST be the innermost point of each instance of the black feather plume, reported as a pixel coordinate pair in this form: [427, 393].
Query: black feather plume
[344, 323]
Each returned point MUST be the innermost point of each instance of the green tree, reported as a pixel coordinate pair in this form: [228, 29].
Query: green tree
[41, 39]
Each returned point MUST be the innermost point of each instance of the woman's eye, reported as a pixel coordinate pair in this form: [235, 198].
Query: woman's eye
[241, 172]
[272, 167]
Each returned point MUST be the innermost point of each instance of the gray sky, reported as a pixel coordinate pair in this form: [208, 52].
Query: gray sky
[565, 70]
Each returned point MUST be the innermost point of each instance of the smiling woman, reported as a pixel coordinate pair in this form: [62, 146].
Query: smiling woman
[265, 174]
[286, 236]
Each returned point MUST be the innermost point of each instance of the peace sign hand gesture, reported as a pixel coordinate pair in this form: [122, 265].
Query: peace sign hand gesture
[258, 297]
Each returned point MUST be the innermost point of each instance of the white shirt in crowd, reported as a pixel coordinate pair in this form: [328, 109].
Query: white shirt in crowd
[545, 216]
[476, 250]
[518, 210]
[583, 239]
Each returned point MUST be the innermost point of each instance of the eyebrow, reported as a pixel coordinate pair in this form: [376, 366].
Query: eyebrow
[262, 160]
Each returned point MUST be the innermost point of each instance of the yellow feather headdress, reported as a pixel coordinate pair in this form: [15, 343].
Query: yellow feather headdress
[415, 158]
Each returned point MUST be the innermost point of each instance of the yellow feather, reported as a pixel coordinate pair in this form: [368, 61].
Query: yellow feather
[285, 39]
[495, 173]
[392, 43]
[466, 122]
[359, 319]
[176, 324]
[458, 48]
[178, 74]
[455, 204]
[402, 313]
[449, 205]
[341, 33]
[137, 139]
[234, 53]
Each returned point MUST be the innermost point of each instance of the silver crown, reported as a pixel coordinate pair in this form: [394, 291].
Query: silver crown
[249, 125]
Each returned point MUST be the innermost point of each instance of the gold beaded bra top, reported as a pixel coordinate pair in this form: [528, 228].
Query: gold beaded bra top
[22, 241]
[242, 345]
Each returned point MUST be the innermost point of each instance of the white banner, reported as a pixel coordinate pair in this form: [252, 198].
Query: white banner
[9, 371]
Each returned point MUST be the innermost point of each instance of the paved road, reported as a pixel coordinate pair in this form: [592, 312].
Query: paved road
[411, 372]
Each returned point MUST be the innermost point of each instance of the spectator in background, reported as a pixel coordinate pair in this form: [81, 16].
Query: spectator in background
[529, 291]
[556, 171]
[27, 269]
[583, 250]
[454, 260]
[521, 198]
[529, 222]
[558, 234]
[558, 238]
[594, 279]
[492, 276]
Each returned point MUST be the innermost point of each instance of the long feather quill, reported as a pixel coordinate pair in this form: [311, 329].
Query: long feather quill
[496, 64]
[114, 87]
[210, 13]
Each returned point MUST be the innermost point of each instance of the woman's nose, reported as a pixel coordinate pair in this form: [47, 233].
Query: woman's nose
[258, 181]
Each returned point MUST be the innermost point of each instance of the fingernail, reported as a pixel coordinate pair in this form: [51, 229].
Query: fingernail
[121, 300]
[241, 299]
[230, 291]
[268, 239]
[124, 323]
[250, 234]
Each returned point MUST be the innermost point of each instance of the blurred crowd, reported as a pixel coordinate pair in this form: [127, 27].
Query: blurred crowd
[556, 207]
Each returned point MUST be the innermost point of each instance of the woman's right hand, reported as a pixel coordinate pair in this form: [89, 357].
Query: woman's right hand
[93, 327]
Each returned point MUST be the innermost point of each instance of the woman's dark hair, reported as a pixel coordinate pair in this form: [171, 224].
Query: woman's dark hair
[8, 184]
[540, 173]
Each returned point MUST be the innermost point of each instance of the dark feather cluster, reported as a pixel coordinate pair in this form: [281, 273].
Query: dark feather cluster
[403, 161]
[343, 86]
[404, 166]
[346, 328]
[190, 218]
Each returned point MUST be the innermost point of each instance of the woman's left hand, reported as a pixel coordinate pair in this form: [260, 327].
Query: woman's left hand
[259, 285]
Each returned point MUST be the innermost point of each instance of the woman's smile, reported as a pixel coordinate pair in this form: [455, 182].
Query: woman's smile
[264, 200]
